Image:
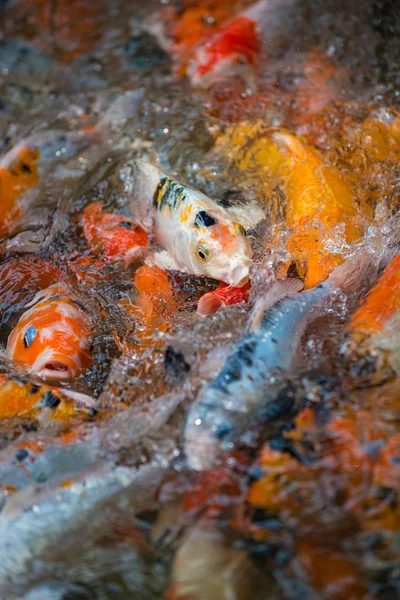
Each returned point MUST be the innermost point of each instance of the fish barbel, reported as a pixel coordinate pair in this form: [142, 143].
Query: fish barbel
[199, 236]
[221, 412]
[53, 336]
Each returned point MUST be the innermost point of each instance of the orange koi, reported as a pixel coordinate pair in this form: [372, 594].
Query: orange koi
[53, 337]
[381, 304]
[318, 198]
[21, 175]
[224, 295]
[154, 305]
[114, 236]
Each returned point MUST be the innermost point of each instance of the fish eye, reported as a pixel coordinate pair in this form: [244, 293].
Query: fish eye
[30, 335]
[202, 252]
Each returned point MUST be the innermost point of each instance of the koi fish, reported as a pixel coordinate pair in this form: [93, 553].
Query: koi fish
[21, 398]
[154, 306]
[317, 194]
[376, 323]
[224, 295]
[381, 304]
[53, 336]
[242, 388]
[21, 167]
[199, 236]
[240, 42]
[115, 236]
[76, 504]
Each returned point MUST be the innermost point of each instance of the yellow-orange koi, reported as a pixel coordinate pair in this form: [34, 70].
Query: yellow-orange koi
[319, 199]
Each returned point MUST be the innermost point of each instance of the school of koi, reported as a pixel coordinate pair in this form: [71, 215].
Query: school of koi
[199, 300]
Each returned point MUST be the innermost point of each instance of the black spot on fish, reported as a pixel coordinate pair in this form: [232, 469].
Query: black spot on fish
[168, 194]
[274, 340]
[204, 219]
[50, 400]
[246, 352]
[26, 168]
[21, 454]
[34, 389]
[92, 412]
[176, 368]
[158, 194]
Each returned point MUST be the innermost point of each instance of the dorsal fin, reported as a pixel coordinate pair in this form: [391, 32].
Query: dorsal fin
[278, 291]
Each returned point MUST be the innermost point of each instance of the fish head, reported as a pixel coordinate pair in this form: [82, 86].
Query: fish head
[116, 236]
[53, 337]
[220, 248]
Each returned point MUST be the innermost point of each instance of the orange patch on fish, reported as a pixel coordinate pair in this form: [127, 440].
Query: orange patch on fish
[21, 176]
[381, 303]
[196, 23]
[115, 236]
[53, 336]
[237, 41]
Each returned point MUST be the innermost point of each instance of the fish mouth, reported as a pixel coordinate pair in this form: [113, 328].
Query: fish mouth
[209, 305]
[239, 275]
[54, 369]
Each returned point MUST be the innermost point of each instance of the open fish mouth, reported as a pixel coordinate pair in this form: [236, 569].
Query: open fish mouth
[54, 369]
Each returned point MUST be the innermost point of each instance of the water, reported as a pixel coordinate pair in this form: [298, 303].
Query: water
[97, 500]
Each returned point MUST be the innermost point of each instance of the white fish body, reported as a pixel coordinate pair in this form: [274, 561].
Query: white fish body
[200, 236]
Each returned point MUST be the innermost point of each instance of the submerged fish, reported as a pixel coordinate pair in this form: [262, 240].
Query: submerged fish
[317, 195]
[53, 337]
[239, 42]
[242, 387]
[376, 323]
[82, 529]
[199, 236]
[21, 167]
[115, 236]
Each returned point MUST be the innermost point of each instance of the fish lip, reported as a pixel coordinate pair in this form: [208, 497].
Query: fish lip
[238, 276]
[54, 369]
[209, 305]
